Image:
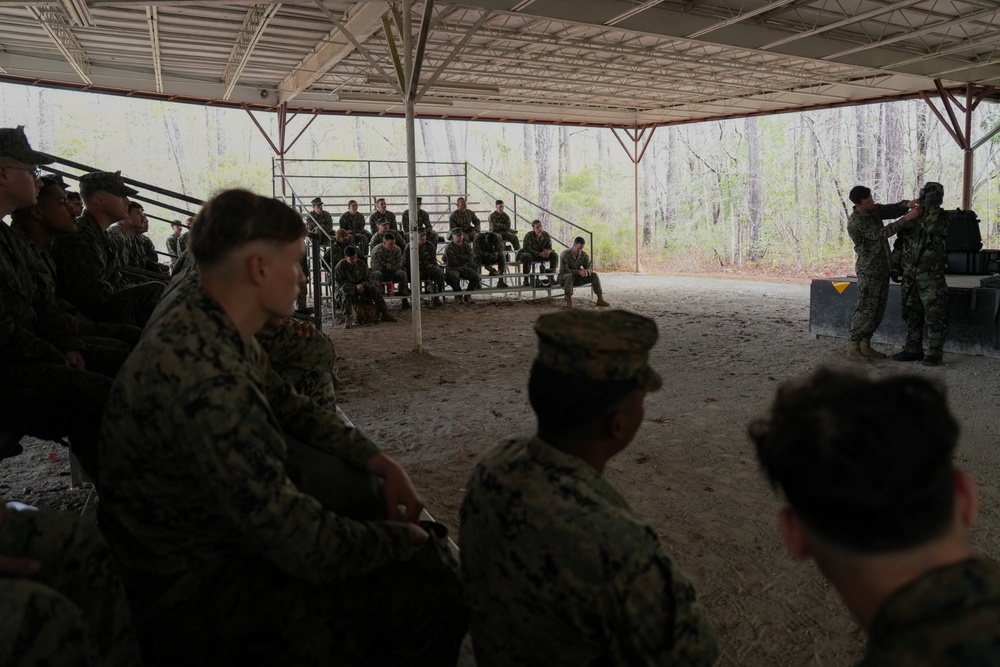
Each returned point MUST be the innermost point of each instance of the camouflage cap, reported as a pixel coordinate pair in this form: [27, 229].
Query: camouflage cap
[14, 144]
[600, 345]
[457, 231]
[317, 202]
[108, 181]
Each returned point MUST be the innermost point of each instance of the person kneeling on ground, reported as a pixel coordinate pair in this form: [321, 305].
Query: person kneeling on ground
[226, 558]
[557, 568]
[873, 496]
[574, 270]
[355, 286]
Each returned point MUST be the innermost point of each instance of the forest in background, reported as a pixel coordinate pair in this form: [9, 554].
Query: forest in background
[769, 193]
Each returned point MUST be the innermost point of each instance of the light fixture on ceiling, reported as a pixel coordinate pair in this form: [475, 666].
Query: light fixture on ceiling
[385, 99]
[444, 85]
[78, 13]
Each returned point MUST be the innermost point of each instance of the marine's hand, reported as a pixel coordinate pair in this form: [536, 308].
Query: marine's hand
[397, 489]
[914, 212]
[25, 567]
[913, 203]
[304, 329]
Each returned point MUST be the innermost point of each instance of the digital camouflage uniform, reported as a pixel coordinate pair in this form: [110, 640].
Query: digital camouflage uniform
[558, 569]
[40, 395]
[378, 238]
[423, 224]
[429, 267]
[389, 266]
[467, 221]
[337, 252]
[489, 255]
[173, 246]
[569, 264]
[323, 221]
[923, 290]
[225, 559]
[950, 617]
[133, 256]
[461, 266]
[73, 611]
[532, 249]
[182, 242]
[500, 224]
[871, 246]
[347, 277]
[375, 218]
[89, 277]
[355, 224]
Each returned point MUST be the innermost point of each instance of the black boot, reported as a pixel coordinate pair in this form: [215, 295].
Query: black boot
[908, 355]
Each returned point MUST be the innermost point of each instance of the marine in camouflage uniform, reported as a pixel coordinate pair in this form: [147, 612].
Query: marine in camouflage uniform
[72, 611]
[423, 224]
[871, 246]
[173, 241]
[428, 264]
[89, 274]
[572, 261]
[460, 264]
[500, 224]
[465, 219]
[923, 290]
[36, 374]
[487, 250]
[379, 238]
[379, 214]
[354, 223]
[225, 558]
[389, 265]
[337, 248]
[557, 568]
[353, 284]
[537, 247]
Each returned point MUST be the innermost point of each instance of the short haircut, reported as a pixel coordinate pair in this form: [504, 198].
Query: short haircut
[535, 222]
[132, 205]
[859, 193]
[353, 201]
[580, 240]
[234, 218]
[350, 251]
[389, 236]
[499, 201]
[461, 199]
[380, 200]
[48, 185]
[865, 464]
[72, 196]
[570, 404]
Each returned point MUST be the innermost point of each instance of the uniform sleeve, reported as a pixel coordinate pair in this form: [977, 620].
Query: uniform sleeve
[661, 622]
[81, 268]
[890, 211]
[20, 344]
[865, 228]
[236, 452]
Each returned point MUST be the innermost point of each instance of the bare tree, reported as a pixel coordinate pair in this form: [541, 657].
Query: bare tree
[921, 156]
[894, 152]
[755, 252]
[563, 154]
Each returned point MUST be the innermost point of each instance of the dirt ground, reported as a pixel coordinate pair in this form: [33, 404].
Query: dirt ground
[724, 347]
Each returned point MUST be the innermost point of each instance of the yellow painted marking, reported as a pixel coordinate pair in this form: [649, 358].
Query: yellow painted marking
[840, 285]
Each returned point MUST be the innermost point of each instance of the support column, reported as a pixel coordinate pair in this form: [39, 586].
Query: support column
[635, 134]
[961, 132]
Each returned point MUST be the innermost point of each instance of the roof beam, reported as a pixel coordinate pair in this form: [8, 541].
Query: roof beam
[54, 23]
[254, 25]
[341, 41]
[632, 12]
[840, 24]
[739, 18]
[154, 42]
[473, 29]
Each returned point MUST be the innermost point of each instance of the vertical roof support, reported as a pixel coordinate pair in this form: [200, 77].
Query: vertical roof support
[636, 134]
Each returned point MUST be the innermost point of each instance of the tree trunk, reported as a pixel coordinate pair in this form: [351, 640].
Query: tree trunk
[563, 154]
[176, 148]
[817, 194]
[878, 184]
[648, 205]
[755, 251]
[862, 157]
[799, 133]
[921, 158]
[672, 180]
[603, 155]
[543, 159]
[894, 152]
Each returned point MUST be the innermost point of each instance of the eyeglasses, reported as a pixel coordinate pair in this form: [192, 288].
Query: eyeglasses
[34, 171]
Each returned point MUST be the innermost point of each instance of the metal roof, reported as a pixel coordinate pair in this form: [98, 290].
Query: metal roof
[601, 62]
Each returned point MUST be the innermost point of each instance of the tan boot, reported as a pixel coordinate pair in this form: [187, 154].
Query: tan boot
[601, 302]
[868, 352]
[854, 351]
[569, 302]
[348, 316]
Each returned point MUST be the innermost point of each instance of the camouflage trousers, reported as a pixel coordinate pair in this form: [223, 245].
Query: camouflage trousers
[73, 611]
[488, 264]
[571, 280]
[52, 401]
[132, 305]
[924, 295]
[397, 276]
[527, 260]
[250, 612]
[454, 277]
[348, 295]
[511, 237]
[873, 293]
[435, 275]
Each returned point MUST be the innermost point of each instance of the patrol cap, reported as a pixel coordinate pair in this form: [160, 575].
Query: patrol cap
[317, 201]
[456, 231]
[108, 181]
[14, 144]
[599, 345]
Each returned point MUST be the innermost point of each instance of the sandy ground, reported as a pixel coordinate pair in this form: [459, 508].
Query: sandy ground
[724, 348]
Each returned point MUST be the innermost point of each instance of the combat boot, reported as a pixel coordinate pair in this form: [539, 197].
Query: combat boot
[501, 284]
[854, 351]
[468, 298]
[908, 355]
[458, 299]
[867, 352]
[387, 316]
[405, 304]
[348, 316]
[569, 302]
[435, 302]
[601, 302]
[933, 358]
